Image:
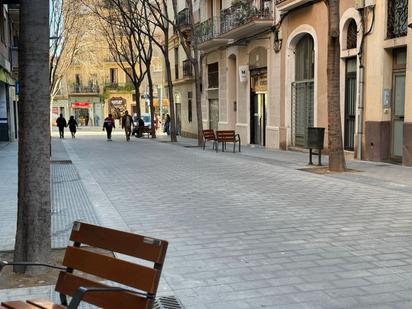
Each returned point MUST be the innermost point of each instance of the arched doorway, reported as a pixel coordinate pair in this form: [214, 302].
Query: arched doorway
[303, 90]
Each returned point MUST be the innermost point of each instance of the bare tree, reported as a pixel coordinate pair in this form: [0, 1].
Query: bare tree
[34, 206]
[189, 43]
[66, 33]
[336, 154]
[159, 17]
[121, 36]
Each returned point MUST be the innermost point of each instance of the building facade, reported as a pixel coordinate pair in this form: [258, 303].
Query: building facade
[9, 22]
[264, 69]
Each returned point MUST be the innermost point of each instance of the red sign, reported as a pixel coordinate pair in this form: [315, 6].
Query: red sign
[80, 105]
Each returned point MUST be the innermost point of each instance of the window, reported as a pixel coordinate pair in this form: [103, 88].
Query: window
[113, 76]
[176, 63]
[352, 35]
[157, 64]
[397, 18]
[128, 74]
[134, 97]
[189, 106]
[213, 75]
[2, 24]
[305, 66]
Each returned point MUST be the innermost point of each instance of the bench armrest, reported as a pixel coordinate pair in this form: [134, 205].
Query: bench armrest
[5, 263]
[81, 291]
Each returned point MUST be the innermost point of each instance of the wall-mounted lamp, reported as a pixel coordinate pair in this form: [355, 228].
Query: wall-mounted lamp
[277, 42]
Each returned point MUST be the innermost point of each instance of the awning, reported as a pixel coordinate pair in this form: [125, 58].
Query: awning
[80, 105]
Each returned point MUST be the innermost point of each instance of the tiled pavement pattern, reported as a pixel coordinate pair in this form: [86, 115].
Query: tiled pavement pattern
[8, 195]
[249, 230]
[69, 199]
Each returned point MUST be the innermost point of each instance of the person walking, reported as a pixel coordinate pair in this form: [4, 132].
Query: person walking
[166, 128]
[96, 120]
[108, 124]
[72, 126]
[61, 123]
[127, 123]
[156, 122]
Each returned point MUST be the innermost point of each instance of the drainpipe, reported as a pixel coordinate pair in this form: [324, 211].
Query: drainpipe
[361, 86]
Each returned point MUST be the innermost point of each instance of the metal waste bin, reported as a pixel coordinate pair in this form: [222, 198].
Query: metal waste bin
[314, 140]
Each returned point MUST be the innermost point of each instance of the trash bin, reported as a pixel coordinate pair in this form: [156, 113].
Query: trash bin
[315, 137]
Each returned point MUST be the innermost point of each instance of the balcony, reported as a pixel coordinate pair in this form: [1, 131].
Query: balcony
[81, 89]
[118, 87]
[397, 19]
[183, 19]
[286, 5]
[236, 22]
[207, 34]
[187, 69]
[245, 19]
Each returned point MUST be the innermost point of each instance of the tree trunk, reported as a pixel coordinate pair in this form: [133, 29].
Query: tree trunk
[171, 98]
[198, 80]
[336, 154]
[152, 109]
[34, 206]
[137, 92]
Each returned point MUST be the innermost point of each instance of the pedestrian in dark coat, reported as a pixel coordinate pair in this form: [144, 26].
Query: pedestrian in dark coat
[127, 123]
[72, 126]
[108, 125]
[61, 124]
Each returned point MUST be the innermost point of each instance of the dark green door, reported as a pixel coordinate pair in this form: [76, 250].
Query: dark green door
[350, 104]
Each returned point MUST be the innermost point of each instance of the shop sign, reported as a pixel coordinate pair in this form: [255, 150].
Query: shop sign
[117, 101]
[243, 73]
[81, 105]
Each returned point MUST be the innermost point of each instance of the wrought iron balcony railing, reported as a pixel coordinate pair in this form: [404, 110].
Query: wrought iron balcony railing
[208, 29]
[183, 18]
[397, 18]
[187, 69]
[243, 13]
[78, 88]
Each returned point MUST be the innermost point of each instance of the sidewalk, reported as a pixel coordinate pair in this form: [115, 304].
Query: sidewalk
[246, 230]
[380, 173]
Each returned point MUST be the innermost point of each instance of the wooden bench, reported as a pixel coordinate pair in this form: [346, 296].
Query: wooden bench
[227, 136]
[139, 281]
[209, 135]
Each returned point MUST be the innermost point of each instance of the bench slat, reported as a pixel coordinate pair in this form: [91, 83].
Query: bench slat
[18, 305]
[45, 304]
[126, 243]
[209, 134]
[130, 274]
[68, 284]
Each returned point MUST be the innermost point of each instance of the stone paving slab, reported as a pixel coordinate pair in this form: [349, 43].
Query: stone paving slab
[70, 201]
[249, 230]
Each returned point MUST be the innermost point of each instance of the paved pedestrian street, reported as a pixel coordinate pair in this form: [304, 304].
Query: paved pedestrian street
[251, 229]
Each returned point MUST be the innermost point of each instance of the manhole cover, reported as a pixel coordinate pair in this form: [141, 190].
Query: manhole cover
[168, 302]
